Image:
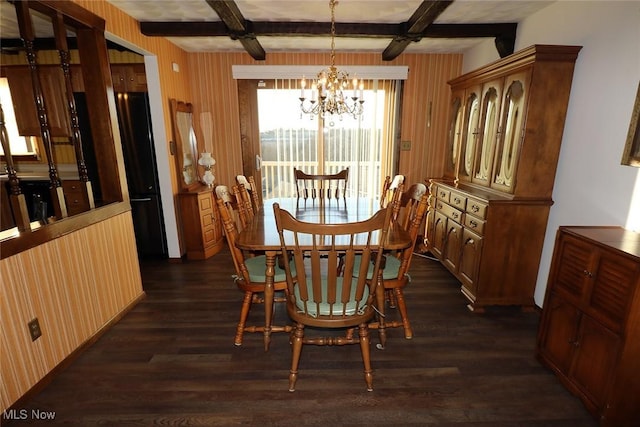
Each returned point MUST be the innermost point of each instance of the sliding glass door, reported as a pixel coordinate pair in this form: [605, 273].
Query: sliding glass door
[365, 144]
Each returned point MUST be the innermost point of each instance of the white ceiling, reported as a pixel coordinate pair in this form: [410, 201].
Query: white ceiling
[352, 11]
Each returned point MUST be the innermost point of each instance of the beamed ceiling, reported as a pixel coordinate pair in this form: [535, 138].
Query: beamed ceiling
[387, 27]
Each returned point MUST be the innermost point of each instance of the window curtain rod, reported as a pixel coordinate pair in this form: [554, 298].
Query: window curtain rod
[380, 72]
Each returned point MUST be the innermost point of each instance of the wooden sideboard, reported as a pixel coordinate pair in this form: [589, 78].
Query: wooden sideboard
[488, 213]
[201, 224]
[590, 329]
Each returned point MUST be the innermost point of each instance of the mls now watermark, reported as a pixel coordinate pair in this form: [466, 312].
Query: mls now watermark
[28, 414]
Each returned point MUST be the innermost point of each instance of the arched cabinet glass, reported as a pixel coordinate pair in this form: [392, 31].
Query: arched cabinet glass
[470, 135]
[454, 136]
[489, 121]
[512, 125]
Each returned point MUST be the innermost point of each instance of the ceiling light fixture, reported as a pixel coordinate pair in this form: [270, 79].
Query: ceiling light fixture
[328, 89]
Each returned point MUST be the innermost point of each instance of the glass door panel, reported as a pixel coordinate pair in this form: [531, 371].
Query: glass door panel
[512, 126]
[470, 135]
[489, 121]
[454, 136]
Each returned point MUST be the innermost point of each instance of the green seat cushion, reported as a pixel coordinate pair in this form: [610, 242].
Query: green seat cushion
[390, 271]
[324, 308]
[258, 265]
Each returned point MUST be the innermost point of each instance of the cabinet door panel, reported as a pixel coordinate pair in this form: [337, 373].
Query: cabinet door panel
[24, 106]
[453, 239]
[560, 325]
[455, 135]
[439, 229]
[470, 133]
[572, 275]
[470, 259]
[490, 113]
[512, 121]
[593, 365]
[612, 289]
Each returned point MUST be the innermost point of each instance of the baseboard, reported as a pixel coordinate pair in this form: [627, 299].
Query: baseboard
[46, 380]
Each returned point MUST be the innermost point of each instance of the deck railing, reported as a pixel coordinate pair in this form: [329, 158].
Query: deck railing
[277, 177]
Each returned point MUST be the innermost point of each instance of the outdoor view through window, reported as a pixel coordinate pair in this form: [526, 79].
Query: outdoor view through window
[290, 139]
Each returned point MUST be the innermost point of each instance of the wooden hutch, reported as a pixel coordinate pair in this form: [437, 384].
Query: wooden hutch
[488, 213]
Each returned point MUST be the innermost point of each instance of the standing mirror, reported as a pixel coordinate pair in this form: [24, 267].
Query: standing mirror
[186, 145]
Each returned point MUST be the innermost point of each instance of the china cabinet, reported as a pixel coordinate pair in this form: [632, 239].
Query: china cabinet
[590, 329]
[488, 213]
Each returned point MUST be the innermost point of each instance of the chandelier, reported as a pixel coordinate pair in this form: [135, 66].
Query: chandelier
[328, 89]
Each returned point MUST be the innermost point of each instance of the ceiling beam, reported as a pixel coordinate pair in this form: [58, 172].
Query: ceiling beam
[424, 16]
[318, 29]
[238, 27]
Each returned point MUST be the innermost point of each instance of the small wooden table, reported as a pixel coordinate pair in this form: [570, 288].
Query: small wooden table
[262, 234]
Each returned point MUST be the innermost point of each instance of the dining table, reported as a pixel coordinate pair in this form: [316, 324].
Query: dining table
[261, 234]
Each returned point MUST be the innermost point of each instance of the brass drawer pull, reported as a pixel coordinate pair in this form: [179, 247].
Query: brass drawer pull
[473, 224]
[475, 208]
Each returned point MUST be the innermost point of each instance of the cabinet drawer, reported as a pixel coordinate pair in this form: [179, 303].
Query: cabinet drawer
[477, 208]
[458, 200]
[443, 194]
[474, 224]
[449, 211]
[71, 187]
[74, 197]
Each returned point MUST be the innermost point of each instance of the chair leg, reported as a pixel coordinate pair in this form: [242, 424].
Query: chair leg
[244, 313]
[402, 307]
[380, 302]
[392, 298]
[295, 355]
[366, 355]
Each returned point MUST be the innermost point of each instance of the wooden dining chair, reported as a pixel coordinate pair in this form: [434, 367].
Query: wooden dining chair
[395, 275]
[244, 206]
[321, 186]
[250, 185]
[319, 297]
[250, 276]
[390, 189]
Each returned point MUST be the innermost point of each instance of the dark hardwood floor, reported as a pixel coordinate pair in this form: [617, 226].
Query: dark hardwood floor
[171, 362]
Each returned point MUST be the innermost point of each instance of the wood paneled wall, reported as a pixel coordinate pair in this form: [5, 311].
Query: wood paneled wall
[74, 285]
[216, 92]
[173, 84]
[206, 81]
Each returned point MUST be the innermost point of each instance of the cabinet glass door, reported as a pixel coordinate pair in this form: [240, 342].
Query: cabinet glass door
[455, 134]
[512, 132]
[489, 121]
[470, 134]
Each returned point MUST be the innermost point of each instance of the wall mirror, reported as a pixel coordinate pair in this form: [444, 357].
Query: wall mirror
[186, 145]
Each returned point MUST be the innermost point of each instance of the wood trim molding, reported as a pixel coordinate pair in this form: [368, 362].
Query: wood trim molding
[30, 239]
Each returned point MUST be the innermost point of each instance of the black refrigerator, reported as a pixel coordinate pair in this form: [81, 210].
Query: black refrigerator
[134, 120]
